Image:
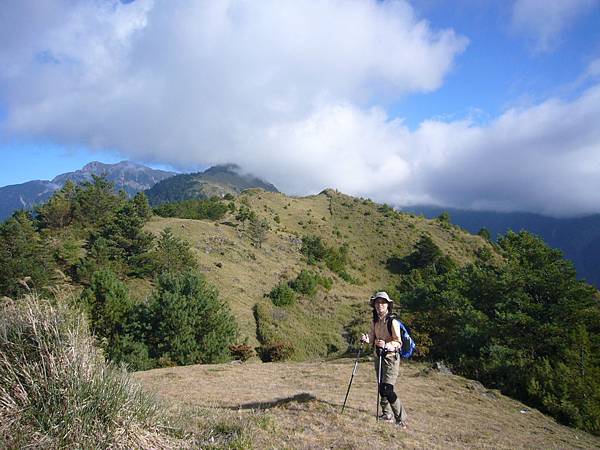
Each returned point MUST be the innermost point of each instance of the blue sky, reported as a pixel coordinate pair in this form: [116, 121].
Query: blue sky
[469, 104]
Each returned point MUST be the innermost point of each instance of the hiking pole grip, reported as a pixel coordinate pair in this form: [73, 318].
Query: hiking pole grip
[351, 378]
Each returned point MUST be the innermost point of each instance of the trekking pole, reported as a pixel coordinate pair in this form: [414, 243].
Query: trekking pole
[351, 378]
[378, 383]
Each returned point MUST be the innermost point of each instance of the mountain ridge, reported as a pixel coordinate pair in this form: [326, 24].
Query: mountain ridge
[216, 181]
[577, 237]
[127, 175]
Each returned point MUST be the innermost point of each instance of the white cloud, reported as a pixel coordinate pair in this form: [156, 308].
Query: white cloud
[289, 90]
[544, 20]
[544, 158]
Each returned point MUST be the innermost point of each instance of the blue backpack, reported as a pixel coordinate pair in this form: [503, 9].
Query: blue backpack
[408, 345]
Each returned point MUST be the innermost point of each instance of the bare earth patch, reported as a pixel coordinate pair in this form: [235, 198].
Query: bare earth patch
[297, 405]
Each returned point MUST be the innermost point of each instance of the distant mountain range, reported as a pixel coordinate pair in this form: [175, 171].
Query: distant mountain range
[126, 175]
[577, 238]
[216, 181]
[161, 186]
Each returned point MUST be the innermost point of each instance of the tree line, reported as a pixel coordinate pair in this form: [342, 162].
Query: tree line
[94, 237]
[521, 323]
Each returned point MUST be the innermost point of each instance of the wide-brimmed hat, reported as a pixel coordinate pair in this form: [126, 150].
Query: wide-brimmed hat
[382, 295]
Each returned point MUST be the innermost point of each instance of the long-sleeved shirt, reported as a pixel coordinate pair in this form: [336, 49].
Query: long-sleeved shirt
[379, 330]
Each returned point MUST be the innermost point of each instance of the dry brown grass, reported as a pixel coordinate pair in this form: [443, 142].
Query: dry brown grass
[297, 405]
[57, 392]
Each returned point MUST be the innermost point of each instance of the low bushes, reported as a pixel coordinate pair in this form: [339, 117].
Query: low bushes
[282, 295]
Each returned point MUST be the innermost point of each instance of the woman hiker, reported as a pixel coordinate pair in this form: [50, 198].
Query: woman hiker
[388, 346]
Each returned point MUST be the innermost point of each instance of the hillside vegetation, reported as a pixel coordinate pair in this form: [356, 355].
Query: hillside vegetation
[266, 276]
[244, 274]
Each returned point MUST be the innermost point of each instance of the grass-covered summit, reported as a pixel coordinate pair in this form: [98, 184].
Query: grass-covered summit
[376, 238]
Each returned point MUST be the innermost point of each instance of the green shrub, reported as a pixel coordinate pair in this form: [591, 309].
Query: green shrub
[313, 248]
[57, 391]
[282, 295]
[305, 283]
[212, 209]
[346, 276]
[336, 259]
[326, 282]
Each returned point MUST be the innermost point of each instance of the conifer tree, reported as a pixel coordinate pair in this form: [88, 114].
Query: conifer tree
[190, 324]
[257, 230]
[172, 254]
[25, 260]
[141, 206]
[244, 214]
[57, 212]
[108, 303]
[96, 201]
[122, 242]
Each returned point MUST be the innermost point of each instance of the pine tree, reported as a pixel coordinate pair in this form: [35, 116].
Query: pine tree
[25, 260]
[190, 324]
[141, 206]
[121, 243]
[57, 212]
[257, 230]
[244, 214]
[109, 305]
[172, 254]
[95, 202]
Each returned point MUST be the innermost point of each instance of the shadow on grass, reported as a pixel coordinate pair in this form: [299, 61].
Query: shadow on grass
[303, 397]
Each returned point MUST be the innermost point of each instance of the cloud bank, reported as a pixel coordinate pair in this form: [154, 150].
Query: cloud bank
[293, 91]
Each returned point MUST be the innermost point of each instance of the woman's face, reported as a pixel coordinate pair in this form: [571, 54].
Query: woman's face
[381, 306]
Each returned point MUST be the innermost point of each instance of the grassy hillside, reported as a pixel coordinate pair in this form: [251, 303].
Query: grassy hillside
[244, 273]
[216, 181]
[297, 405]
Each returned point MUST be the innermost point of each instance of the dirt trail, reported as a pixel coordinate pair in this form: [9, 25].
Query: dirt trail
[300, 404]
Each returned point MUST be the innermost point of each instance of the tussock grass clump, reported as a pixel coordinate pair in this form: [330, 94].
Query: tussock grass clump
[56, 391]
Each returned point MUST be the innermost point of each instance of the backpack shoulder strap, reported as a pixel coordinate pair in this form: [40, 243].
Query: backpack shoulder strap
[390, 323]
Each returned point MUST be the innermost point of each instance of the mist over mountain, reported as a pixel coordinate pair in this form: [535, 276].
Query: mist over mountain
[126, 175]
[578, 237]
[215, 181]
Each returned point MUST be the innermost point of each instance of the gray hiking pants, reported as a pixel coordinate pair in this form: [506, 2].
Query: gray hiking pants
[390, 369]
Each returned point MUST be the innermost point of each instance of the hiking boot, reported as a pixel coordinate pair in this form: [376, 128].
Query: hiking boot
[401, 425]
[386, 418]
